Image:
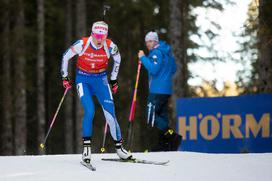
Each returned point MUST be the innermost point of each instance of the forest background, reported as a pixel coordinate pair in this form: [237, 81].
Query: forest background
[35, 34]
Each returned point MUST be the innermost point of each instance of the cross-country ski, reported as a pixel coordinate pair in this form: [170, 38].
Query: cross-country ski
[135, 160]
[88, 165]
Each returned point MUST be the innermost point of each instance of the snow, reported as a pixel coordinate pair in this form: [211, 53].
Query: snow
[183, 166]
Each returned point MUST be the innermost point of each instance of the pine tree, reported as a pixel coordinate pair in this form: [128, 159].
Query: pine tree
[178, 13]
[264, 46]
[19, 79]
[40, 73]
[80, 32]
[68, 107]
[248, 81]
[177, 31]
[6, 139]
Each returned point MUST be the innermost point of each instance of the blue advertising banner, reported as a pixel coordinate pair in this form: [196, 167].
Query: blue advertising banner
[226, 124]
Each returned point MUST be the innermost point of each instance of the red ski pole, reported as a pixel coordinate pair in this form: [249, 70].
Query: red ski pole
[133, 108]
[42, 145]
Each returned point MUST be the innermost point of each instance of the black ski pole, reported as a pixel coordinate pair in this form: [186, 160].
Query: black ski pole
[105, 9]
[103, 149]
[42, 145]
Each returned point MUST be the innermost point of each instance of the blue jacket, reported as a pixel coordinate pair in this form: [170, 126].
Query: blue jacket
[161, 67]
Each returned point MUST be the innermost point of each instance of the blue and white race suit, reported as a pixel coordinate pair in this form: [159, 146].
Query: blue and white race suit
[95, 84]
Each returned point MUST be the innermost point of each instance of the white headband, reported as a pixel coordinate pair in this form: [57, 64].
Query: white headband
[100, 27]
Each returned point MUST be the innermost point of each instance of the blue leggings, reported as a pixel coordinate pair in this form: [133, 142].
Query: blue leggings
[96, 84]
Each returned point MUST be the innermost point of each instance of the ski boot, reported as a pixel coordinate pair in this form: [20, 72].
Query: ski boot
[86, 155]
[121, 152]
[168, 141]
[163, 143]
[174, 139]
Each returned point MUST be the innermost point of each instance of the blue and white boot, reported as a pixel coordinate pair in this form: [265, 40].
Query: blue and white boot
[121, 152]
[86, 155]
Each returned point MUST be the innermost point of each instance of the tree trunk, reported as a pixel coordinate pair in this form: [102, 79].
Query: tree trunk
[40, 74]
[19, 79]
[177, 41]
[68, 105]
[264, 46]
[80, 32]
[6, 139]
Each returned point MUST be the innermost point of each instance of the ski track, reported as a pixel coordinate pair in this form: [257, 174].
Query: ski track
[183, 166]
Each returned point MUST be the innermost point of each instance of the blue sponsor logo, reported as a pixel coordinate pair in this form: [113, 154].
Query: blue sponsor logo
[226, 124]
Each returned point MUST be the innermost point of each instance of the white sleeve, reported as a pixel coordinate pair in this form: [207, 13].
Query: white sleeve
[117, 61]
[75, 49]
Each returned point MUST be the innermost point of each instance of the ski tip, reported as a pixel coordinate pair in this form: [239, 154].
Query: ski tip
[89, 166]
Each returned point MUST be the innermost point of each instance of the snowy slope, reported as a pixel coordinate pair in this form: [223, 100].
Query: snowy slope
[183, 166]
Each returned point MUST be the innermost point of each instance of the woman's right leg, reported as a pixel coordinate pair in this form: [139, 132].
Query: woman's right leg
[85, 95]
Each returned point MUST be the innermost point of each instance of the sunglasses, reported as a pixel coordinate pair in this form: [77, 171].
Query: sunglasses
[99, 36]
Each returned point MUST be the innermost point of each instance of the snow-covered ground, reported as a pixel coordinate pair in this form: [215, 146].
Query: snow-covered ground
[183, 166]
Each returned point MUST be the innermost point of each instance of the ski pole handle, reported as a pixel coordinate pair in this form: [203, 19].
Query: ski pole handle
[105, 9]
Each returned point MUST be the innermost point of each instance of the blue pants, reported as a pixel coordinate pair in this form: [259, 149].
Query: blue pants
[89, 85]
[157, 110]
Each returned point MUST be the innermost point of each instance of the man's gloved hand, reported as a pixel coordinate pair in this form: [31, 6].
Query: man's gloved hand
[141, 54]
[114, 86]
[66, 82]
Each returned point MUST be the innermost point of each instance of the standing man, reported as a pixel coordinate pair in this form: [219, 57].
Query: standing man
[161, 67]
[91, 80]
